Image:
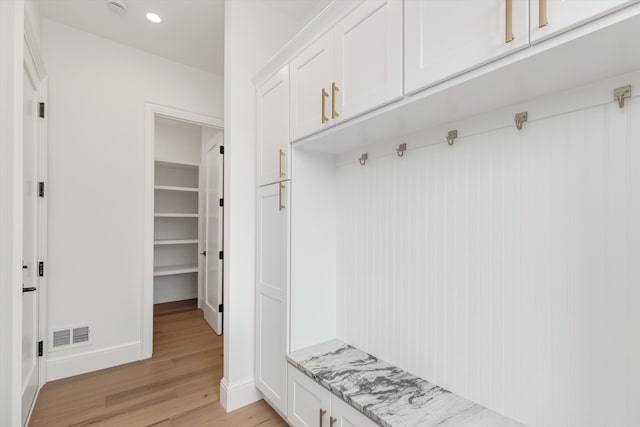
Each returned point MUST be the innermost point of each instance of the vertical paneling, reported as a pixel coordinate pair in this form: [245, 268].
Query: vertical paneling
[505, 268]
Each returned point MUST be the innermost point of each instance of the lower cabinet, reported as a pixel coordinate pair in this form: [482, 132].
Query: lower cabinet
[272, 278]
[311, 405]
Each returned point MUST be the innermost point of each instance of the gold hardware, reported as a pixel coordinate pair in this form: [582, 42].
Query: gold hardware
[281, 189]
[322, 412]
[282, 154]
[509, 21]
[542, 13]
[332, 421]
[324, 94]
[334, 89]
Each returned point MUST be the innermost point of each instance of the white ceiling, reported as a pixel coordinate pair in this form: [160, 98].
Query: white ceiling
[192, 31]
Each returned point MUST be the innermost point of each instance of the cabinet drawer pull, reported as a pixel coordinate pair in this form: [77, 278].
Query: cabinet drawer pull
[542, 13]
[332, 421]
[322, 412]
[334, 89]
[282, 154]
[324, 95]
[509, 21]
[280, 190]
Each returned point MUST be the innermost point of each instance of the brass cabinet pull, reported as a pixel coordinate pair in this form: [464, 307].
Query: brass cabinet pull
[324, 95]
[334, 89]
[280, 190]
[332, 421]
[322, 412]
[509, 21]
[282, 154]
[542, 13]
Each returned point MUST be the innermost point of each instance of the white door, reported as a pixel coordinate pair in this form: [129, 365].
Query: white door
[367, 59]
[550, 17]
[30, 293]
[344, 415]
[272, 277]
[444, 38]
[309, 402]
[311, 76]
[273, 129]
[212, 289]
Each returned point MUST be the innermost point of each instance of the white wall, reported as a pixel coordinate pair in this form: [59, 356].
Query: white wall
[11, 74]
[246, 51]
[97, 93]
[504, 268]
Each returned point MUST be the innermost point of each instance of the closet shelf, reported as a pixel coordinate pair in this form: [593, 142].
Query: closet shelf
[176, 242]
[175, 215]
[177, 163]
[173, 188]
[168, 270]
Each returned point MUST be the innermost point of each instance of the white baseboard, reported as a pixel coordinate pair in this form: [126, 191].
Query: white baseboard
[238, 394]
[76, 364]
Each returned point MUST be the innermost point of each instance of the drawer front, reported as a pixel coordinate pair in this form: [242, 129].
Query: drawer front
[306, 401]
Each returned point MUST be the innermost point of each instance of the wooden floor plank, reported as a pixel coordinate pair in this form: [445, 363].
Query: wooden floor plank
[178, 387]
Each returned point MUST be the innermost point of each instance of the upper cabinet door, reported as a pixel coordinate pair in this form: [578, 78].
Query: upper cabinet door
[550, 17]
[444, 38]
[368, 59]
[273, 129]
[310, 74]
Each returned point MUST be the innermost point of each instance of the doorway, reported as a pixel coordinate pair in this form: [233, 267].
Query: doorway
[183, 223]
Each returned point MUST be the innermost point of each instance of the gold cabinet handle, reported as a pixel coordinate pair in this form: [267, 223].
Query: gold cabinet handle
[332, 421]
[282, 154]
[542, 13]
[509, 21]
[322, 412]
[334, 89]
[280, 190]
[324, 95]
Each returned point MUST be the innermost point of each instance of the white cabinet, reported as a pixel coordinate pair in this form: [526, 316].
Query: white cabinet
[445, 38]
[354, 68]
[311, 405]
[273, 129]
[272, 278]
[550, 17]
[368, 58]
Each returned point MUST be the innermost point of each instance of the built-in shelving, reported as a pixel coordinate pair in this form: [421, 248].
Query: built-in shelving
[173, 188]
[176, 164]
[175, 215]
[168, 270]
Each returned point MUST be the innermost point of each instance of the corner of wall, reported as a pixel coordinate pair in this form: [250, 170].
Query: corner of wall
[236, 395]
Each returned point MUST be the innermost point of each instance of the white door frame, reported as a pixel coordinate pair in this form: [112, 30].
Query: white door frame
[151, 111]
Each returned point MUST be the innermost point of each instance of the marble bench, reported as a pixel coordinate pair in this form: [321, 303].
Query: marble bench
[386, 394]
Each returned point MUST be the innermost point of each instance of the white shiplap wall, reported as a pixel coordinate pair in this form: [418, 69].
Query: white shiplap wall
[505, 268]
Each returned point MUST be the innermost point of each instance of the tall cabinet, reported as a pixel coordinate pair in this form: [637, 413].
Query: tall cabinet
[272, 239]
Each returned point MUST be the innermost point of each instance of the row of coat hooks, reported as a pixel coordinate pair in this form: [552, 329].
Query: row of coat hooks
[619, 95]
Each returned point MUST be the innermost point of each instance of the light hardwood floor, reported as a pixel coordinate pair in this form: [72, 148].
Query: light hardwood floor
[178, 386]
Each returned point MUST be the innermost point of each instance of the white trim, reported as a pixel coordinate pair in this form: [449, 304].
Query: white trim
[81, 363]
[33, 47]
[151, 111]
[239, 394]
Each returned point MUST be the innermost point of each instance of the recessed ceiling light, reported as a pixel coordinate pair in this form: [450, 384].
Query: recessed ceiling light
[154, 17]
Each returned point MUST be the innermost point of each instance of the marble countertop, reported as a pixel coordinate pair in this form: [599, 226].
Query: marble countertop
[387, 394]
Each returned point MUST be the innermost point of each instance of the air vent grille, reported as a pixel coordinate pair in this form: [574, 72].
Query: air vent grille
[81, 335]
[61, 338]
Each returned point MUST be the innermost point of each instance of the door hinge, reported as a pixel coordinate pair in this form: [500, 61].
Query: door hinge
[41, 110]
[41, 189]
[222, 149]
[221, 202]
[41, 269]
[220, 308]
[40, 348]
[221, 255]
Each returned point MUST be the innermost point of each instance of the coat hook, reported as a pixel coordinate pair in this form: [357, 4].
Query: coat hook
[520, 119]
[620, 93]
[401, 149]
[363, 159]
[452, 136]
